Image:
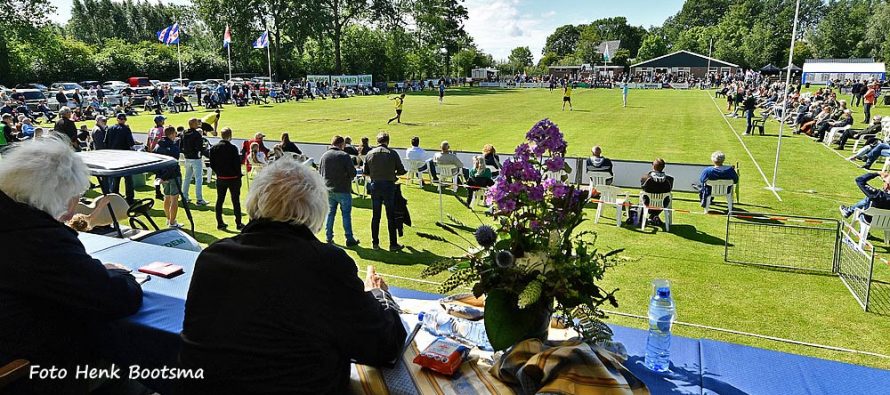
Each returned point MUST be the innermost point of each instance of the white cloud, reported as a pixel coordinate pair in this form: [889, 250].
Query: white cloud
[498, 26]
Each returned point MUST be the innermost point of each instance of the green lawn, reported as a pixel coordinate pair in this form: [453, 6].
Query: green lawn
[681, 126]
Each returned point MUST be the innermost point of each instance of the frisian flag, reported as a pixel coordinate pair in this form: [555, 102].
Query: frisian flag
[227, 37]
[263, 41]
[170, 34]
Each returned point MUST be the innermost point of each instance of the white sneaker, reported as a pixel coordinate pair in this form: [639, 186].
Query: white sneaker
[176, 225]
[202, 203]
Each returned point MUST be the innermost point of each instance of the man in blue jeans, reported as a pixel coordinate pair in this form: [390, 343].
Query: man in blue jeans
[338, 171]
[879, 198]
[191, 144]
[383, 166]
[882, 149]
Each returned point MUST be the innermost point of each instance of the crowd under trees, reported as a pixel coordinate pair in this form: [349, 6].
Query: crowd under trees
[403, 39]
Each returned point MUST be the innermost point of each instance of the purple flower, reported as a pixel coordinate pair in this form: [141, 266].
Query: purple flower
[485, 236]
[555, 163]
[560, 191]
[536, 193]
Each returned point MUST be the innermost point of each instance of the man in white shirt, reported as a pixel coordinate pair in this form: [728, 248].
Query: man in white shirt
[419, 154]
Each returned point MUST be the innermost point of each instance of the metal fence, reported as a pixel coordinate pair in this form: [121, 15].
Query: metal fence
[789, 242]
[806, 244]
[855, 265]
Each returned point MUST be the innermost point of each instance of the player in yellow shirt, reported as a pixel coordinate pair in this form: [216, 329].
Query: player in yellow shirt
[210, 123]
[400, 101]
[567, 96]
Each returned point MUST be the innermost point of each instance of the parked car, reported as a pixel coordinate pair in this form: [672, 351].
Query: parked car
[32, 85]
[180, 81]
[89, 84]
[34, 96]
[114, 84]
[66, 86]
[139, 82]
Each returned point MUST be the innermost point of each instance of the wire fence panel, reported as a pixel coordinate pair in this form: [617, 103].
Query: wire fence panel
[855, 265]
[790, 242]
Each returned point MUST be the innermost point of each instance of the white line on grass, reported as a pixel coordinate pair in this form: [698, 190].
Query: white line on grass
[750, 155]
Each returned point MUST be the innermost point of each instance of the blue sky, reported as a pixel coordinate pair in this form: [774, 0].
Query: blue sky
[501, 25]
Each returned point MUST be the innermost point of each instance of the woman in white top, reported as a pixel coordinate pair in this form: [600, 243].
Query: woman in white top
[257, 158]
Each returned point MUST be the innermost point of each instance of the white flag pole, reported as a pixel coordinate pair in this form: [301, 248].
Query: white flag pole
[269, 55]
[775, 188]
[229, 50]
[178, 51]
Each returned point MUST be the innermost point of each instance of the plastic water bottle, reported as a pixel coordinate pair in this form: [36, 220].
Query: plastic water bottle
[441, 324]
[661, 316]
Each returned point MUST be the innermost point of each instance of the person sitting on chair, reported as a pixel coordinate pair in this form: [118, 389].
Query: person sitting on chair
[306, 314]
[597, 163]
[419, 154]
[872, 129]
[446, 157]
[56, 301]
[480, 177]
[656, 181]
[717, 172]
[878, 198]
[845, 120]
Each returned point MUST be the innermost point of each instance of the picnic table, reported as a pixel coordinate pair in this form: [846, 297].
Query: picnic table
[150, 338]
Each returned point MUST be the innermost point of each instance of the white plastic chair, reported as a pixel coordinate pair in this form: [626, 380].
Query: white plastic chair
[611, 196]
[880, 220]
[448, 171]
[479, 196]
[597, 178]
[723, 188]
[834, 134]
[555, 175]
[414, 167]
[663, 201]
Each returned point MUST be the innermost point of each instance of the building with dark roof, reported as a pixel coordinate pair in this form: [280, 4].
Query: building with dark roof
[684, 64]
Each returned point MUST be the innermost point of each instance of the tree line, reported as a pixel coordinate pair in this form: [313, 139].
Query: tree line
[106, 40]
[750, 33]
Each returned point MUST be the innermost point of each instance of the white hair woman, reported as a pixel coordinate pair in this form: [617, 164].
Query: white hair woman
[57, 296]
[717, 172]
[280, 302]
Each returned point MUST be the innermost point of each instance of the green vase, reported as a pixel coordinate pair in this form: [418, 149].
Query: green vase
[506, 324]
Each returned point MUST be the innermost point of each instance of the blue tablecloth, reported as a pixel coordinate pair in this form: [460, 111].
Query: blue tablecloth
[698, 366]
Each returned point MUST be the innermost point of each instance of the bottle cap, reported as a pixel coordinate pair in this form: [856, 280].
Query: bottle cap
[420, 316]
[664, 292]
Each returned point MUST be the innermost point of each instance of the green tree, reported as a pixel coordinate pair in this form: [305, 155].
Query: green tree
[520, 58]
[653, 46]
[842, 32]
[20, 22]
[563, 41]
[336, 15]
[877, 36]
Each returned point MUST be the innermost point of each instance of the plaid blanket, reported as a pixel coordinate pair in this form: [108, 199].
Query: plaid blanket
[566, 367]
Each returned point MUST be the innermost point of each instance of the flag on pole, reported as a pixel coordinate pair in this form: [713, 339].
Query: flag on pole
[227, 37]
[170, 34]
[263, 41]
[606, 55]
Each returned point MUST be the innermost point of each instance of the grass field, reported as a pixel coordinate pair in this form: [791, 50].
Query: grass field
[680, 126]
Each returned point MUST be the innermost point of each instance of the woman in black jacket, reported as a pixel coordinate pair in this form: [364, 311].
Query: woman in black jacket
[55, 300]
[276, 311]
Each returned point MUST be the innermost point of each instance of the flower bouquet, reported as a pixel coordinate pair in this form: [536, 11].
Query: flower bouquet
[533, 263]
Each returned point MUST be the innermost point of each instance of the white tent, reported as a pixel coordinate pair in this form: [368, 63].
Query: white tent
[820, 71]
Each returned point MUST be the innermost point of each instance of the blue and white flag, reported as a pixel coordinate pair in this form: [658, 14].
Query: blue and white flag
[170, 34]
[263, 41]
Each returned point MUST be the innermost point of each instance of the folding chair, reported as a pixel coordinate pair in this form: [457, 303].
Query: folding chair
[663, 201]
[720, 188]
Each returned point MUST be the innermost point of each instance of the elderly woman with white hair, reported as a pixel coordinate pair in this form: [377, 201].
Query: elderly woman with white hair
[275, 310]
[716, 172]
[55, 299]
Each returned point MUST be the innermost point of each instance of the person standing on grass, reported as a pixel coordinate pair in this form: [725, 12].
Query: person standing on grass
[226, 163]
[338, 171]
[383, 166]
[869, 101]
[400, 102]
[624, 92]
[170, 179]
[441, 91]
[567, 96]
[750, 105]
[192, 145]
[120, 137]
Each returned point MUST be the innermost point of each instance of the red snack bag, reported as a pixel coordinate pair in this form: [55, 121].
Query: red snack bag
[442, 356]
